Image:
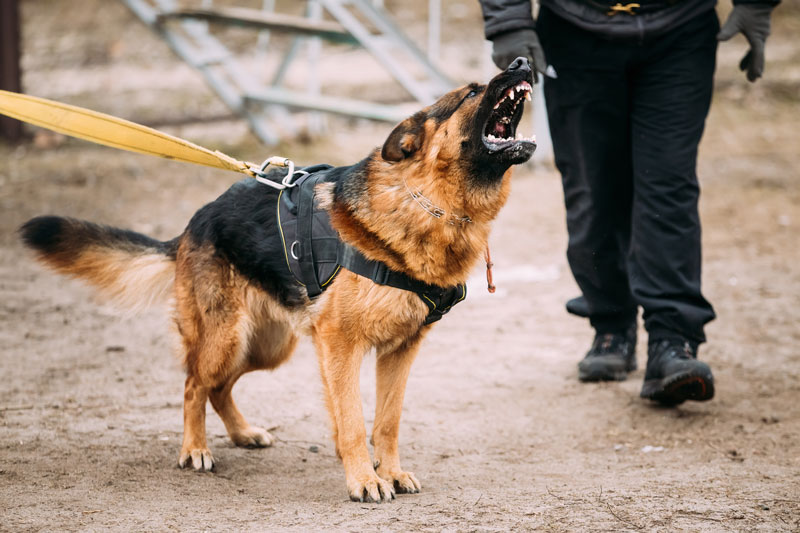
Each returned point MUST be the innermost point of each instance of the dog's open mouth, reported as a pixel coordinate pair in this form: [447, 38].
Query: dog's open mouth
[500, 132]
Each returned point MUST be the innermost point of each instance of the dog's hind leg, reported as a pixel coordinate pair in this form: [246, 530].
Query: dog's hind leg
[222, 360]
[269, 345]
[195, 448]
[392, 369]
[212, 360]
[215, 358]
[212, 379]
[241, 433]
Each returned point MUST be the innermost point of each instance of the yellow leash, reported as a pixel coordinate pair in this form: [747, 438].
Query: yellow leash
[119, 133]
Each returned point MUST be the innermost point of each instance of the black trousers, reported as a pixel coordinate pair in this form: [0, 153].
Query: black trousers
[626, 119]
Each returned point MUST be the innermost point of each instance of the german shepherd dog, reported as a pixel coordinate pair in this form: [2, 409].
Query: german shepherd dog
[238, 308]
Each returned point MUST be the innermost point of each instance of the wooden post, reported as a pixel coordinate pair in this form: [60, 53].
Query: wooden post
[10, 73]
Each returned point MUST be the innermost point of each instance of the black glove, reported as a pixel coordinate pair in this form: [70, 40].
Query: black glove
[753, 21]
[515, 43]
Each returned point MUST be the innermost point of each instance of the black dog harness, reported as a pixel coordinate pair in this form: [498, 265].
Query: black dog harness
[315, 254]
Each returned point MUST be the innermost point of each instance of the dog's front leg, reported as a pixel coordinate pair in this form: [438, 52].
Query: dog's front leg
[340, 364]
[392, 371]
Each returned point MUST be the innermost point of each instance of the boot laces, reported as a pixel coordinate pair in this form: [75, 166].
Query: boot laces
[606, 343]
[676, 349]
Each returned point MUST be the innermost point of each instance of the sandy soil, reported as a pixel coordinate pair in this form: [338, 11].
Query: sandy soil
[496, 425]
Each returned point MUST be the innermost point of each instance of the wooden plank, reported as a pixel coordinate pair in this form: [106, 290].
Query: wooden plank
[255, 18]
[10, 72]
[333, 104]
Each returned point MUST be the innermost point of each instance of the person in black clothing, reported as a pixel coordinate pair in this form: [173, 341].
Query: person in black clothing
[628, 90]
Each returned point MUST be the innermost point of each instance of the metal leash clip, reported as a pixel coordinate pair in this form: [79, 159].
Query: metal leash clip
[276, 161]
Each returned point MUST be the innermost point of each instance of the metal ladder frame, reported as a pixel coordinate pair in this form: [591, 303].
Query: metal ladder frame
[265, 107]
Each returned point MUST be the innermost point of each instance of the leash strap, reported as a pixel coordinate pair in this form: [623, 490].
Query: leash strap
[115, 132]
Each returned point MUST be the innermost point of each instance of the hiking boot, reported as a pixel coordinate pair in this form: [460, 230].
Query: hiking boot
[674, 374]
[611, 356]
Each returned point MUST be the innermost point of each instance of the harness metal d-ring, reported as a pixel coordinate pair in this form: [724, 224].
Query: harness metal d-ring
[289, 179]
[292, 252]
[260, 174]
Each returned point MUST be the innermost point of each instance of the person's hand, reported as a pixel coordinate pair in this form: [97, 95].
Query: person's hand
[515, 43]
[753, 20]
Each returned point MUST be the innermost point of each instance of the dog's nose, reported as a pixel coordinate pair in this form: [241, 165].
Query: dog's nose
[519, 63]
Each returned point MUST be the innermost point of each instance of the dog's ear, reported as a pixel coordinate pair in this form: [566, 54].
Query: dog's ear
[405, 139]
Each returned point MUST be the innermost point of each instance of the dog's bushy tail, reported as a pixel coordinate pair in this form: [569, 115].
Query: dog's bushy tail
[129, 268]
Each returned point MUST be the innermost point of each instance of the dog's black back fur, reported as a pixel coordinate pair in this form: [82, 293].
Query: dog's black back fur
[242, 226]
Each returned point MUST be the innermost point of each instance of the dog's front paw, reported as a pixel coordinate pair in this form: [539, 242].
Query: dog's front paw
[369, 488]
[253, 437]
[403, 482]
[200, 459]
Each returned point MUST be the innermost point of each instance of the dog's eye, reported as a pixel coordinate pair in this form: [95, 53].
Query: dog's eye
[472, 93]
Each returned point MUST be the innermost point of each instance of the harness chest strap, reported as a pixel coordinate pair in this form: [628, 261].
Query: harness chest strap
[438, 299]
[305, 219]
[314, 253]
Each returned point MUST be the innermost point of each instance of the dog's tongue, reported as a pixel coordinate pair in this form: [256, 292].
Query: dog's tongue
[499, 130]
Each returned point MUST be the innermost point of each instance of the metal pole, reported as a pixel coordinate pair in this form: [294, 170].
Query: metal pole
[10, 74]
[263, 36]
[434, 30]
[316, 123]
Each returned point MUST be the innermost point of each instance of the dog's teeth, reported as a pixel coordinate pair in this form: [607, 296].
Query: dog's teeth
[511, 93]
[528, 96]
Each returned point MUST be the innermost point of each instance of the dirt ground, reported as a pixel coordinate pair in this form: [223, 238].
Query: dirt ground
[496, 426]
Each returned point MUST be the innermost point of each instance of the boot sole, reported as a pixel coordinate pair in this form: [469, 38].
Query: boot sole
[677, 388]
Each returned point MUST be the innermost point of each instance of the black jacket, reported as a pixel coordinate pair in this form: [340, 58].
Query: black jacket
[501, 16]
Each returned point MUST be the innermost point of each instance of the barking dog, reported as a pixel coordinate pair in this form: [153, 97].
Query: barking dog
[420, 208]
